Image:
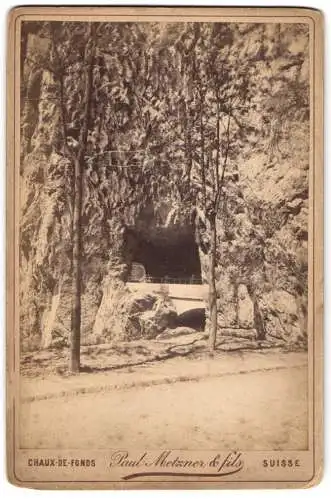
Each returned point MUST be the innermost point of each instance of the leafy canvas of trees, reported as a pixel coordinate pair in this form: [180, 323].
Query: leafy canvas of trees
[210, 118]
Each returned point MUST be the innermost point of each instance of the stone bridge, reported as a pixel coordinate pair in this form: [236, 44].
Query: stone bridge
[185, 296]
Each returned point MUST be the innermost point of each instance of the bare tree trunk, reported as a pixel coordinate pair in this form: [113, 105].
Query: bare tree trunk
[74, 350]
[202, 154]
[236, 303]
[213, 230]
[76, 271]
[212, 286]
[258, 318]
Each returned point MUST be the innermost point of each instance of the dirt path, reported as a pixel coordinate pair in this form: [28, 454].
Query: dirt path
[176, 369]
[211, 406]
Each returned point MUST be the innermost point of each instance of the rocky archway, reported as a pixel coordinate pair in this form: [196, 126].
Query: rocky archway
[141, 304]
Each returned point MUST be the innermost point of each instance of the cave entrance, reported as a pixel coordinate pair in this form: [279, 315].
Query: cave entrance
[168, 255]
[194, 318]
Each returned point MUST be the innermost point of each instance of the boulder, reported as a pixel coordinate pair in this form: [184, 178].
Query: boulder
[163, 315]
[131, 315]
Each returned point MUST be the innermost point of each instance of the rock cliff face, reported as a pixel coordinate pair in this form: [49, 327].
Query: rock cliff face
[262, 224]
[110, 312]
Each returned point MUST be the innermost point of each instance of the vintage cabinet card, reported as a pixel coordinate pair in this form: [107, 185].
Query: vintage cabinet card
[164, 247]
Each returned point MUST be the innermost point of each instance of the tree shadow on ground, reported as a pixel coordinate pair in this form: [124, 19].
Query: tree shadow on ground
[128, 355]
[172, 351]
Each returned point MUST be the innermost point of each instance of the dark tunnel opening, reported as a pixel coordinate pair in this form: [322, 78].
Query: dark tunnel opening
[194, 318]
[167, 254]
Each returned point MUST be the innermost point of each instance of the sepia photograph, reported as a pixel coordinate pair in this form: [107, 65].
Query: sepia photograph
[163, 181]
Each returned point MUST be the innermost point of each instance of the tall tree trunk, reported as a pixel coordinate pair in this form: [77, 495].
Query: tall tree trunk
[74, 362]
[219, 179]
[236, 303]
[202, 153]
[74, 352]
[188, 148]
[212, 286]
[258, 318]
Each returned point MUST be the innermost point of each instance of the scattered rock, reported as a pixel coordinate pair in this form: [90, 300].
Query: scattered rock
[163, 315]
[43, 356]
[237, 333]
[176, 332]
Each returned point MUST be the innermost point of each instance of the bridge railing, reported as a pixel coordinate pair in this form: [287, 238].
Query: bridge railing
[195, 280]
